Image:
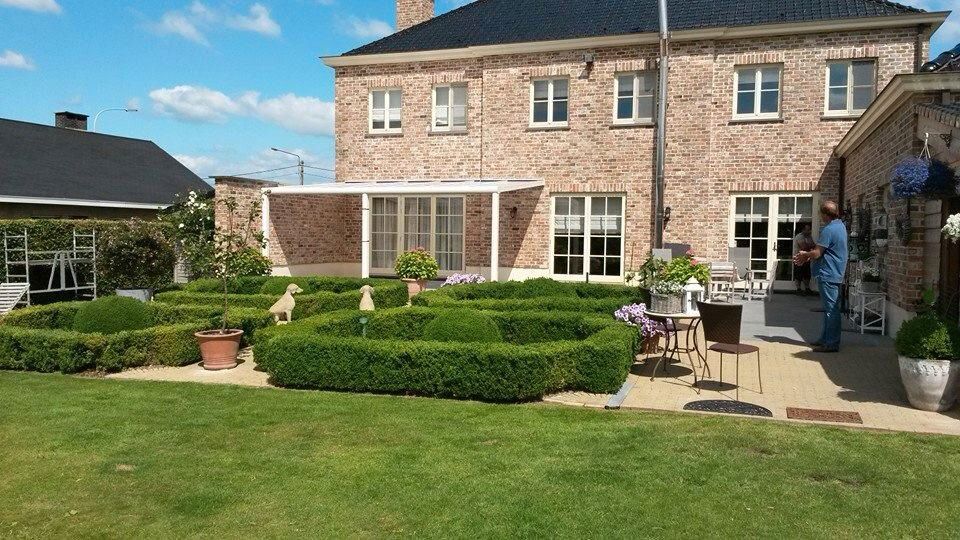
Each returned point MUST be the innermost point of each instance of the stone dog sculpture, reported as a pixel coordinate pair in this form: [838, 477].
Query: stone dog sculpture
[284, 307]
[366, 302]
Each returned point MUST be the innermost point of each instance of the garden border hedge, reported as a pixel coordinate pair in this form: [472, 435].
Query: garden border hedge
[542, 294]
[298, 356]
[39, 339]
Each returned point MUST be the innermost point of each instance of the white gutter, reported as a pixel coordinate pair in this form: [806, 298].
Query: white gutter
[934, 19]
[400, 187]
[82, 202]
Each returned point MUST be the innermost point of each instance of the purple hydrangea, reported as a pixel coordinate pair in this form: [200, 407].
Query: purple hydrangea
[464, 279]
[910, 177]
[636, 315]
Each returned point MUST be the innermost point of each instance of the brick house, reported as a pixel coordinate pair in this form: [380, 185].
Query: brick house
[516, 138]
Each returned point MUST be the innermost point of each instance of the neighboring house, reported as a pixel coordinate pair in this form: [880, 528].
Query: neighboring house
[68, 172]
[516, 138]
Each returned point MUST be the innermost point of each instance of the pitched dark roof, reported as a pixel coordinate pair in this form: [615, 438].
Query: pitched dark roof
[49, 162]
[493, 22]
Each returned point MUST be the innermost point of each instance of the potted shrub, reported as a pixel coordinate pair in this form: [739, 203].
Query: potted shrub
[415, 268]
[649, 330]
[234, 252]
[870, 281]
[666, 296]
[929, 355]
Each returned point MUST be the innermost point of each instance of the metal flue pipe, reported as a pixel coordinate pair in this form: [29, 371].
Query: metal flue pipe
[660, 159]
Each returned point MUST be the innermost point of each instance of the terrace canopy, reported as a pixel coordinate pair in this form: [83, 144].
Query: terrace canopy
[492, 187]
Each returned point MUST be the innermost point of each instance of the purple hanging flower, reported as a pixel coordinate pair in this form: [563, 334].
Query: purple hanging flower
[910, 177]
[636, 315]
[464, 279]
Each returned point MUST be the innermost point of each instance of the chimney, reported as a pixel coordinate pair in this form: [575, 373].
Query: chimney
[413, 12]
[70, 120]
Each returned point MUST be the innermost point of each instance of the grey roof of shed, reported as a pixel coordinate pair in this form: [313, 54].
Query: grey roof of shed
[494, 22]
[56, 163]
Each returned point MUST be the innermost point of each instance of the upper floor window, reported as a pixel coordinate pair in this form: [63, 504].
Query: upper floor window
[635, 97]
[549, 102]
[851, 86]
[450, 108]
[757, 90]
[386, 107]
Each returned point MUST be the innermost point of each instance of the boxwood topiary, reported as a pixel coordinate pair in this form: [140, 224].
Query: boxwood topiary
[463, 325]
[928, 337]
[112, 314]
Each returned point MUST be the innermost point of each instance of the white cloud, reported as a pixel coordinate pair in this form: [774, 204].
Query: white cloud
[40, 6]
[133, 103]
[15, 60]
[198, 19]
[258, 21]
[221, 164]
[299, 114]
[202, 166]
[365, 28]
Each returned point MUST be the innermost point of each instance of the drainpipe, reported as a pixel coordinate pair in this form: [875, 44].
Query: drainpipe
[660, 158]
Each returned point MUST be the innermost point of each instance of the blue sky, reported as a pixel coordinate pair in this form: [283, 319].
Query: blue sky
[217, 82]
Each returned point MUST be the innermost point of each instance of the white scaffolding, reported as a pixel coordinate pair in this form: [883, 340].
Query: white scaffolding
[70, 270]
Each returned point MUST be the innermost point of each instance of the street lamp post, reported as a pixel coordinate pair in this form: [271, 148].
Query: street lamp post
[97, 117]
[299, 161]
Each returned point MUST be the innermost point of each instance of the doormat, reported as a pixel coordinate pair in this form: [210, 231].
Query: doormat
[727, 407]
[819, 415]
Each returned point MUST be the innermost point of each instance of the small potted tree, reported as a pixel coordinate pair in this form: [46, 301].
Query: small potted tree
[415, 268]
[929, 355]
[233, 252]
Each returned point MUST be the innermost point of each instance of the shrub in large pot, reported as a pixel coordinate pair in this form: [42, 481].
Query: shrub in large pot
[415, 268]
[929, 351]
[232, 252]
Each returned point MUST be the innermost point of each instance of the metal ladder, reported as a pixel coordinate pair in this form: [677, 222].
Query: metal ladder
[16, 258]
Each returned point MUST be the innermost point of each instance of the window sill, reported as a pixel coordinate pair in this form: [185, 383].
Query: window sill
[761, 120]
[383, 135]
[548, 128]
[628, 125]
[843, 116]
[441, 133]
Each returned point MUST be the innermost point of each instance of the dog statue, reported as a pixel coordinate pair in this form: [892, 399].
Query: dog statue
[283, 309]
[366, 303]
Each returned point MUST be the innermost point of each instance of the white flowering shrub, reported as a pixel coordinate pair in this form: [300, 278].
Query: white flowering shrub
[952, 229]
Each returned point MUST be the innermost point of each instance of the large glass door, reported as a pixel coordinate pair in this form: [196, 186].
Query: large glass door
[402, 223]
[767, 224]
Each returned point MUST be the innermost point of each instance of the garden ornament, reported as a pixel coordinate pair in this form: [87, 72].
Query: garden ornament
[366, 303]
[283, 309]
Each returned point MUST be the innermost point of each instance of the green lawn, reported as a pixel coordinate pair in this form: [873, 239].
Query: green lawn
[85, 457]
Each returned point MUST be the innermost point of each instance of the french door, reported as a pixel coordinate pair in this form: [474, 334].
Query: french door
[767, 223]
[402, 223]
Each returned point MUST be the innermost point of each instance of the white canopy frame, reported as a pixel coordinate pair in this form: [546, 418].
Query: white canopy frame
[493, 187]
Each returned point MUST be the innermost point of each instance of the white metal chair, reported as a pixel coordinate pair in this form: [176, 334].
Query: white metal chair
[762, 288]
[723, 277]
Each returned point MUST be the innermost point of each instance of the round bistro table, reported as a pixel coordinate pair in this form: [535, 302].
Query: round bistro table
[672, 349]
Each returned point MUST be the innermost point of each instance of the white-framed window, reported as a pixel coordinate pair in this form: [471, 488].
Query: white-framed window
[757, 91]
[635, 97]
[549, 102]
[450, 107]
[587, 236]
[851, 86]
[386, 111]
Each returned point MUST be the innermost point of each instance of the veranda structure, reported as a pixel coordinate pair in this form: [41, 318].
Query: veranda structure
[394, 216]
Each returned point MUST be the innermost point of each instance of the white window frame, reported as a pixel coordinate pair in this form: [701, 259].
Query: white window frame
[849, 111]
[550, 102]
[386, 111]
[758, 92]
[450, 106]
[636, 98]
[588, 211]
[401, 230]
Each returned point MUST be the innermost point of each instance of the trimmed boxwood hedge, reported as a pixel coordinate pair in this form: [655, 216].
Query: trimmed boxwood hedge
[543, 353]
[321, 294]
[41, 338]
[539, 294]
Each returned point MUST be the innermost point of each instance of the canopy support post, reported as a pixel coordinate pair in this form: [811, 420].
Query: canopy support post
[495, 237]
[365, 235]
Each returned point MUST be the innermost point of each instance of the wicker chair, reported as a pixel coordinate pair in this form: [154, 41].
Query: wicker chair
[721, 325]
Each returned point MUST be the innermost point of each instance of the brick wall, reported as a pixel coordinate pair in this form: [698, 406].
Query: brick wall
[708, 155]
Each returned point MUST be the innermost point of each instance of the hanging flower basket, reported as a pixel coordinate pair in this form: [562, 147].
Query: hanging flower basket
[942, 181]
[910, 177]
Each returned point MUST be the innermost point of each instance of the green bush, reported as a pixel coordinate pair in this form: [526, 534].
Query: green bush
[112, 314]
[550, 303]
[463, 326]
[59, 316]
[551, 352]
[416, 264]
[927, 337]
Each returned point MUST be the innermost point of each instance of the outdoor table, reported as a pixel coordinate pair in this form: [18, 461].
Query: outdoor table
[672, 349]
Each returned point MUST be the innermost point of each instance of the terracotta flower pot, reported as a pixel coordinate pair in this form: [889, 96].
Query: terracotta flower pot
[219, 351]
[415, 286]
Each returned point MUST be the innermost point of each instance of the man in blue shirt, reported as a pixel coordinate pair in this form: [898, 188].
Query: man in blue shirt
[829, 266]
